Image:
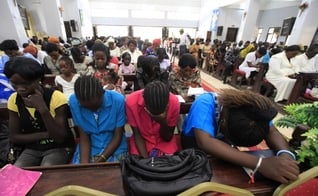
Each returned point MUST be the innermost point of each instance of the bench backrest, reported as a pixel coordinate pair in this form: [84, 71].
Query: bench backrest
[299, 89]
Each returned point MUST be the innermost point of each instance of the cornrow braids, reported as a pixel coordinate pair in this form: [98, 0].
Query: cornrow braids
[87, 88]
[156, 96]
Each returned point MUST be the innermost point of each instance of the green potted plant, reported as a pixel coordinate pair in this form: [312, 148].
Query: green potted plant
[303, 117]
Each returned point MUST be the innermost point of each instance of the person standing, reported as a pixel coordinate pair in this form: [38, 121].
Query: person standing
[184, 44]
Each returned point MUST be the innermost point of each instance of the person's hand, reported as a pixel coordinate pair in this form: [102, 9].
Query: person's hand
[282, 169]
[99, 159]
[189, 98]
[292, 76]
[160, 118]
[36, 100]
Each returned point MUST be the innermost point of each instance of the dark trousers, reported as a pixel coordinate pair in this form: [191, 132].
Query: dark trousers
[183, 49]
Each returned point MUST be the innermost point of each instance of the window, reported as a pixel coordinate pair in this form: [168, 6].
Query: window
[272, 34]
[259, 33]
[112, 30]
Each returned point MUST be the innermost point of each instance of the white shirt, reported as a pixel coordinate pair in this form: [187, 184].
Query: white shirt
[303, 64]
[68, 87]
[250, 57]
[115, 52]
[184, 40]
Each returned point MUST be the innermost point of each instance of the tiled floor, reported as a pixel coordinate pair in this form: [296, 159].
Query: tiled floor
[217, 84]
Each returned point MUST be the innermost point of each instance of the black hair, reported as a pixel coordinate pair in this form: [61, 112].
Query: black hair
[102, 48]
[162, 54]
[156, 97]
[51, 47]
[112, 76]
[140, 61]
[29, 69]
[125, 54]
[292, 48]
[132, 41]
[247, 116]
[254, 130]
[24, 45]
[77, 55]
[9, 44]
[87, 88]
[262, 50]
[151, 66]
[68, 61]
[187, 60]
[89, 44]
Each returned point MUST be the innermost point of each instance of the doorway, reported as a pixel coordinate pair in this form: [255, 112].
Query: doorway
[231, 34]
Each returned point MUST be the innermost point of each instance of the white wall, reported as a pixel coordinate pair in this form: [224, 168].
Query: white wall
[274, 18]
[228, 17]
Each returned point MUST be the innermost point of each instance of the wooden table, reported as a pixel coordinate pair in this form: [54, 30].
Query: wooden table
[107, 177]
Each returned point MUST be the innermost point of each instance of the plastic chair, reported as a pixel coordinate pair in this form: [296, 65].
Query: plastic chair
[215, 187]
[78, 191]
[306, 184]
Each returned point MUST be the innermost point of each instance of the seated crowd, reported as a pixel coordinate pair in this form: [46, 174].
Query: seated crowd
[90, 90]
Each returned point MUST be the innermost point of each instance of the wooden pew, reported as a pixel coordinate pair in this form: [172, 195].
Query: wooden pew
[106, 177]
[299, 89]
[129, 77]
[259, 78]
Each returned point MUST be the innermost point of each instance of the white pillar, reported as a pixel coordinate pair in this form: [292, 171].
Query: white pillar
[248, 28]
[53, 18]
[11, 23]
[78, 10]
[305, 24]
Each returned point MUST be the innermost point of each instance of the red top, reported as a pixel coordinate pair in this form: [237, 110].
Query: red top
[138, 117]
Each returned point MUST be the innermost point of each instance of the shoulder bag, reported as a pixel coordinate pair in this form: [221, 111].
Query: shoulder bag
[165, 175]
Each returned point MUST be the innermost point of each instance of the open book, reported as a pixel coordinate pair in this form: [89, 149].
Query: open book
[15, 181]
[195, 91]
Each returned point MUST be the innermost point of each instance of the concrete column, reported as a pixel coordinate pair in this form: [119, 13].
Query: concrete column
[11, 23]
[305, 25]
[248, 28]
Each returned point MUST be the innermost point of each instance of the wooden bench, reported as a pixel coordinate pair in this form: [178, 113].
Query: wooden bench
[259, 78]
[106, 177]
[49, 80]
[299, 89]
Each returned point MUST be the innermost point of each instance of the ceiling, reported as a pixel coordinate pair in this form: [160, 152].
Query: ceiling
[179, 5]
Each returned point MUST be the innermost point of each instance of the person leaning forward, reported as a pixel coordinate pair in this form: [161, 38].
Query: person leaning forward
[239, 118]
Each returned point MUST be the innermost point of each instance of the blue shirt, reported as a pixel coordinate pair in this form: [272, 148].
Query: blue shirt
[100, 125]
[201, 115]
[266, 57]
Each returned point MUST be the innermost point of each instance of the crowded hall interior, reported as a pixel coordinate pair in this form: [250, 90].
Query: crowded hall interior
[135, 97]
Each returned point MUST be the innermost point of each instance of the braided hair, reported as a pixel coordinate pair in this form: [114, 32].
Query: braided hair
[156, 96]
[87, 88]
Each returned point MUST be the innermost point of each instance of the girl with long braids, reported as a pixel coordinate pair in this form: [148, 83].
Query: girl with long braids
[100, 117]
[152, 113]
